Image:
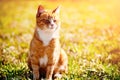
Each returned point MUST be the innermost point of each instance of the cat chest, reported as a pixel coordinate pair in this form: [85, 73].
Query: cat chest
[43, 60]
[46, 37]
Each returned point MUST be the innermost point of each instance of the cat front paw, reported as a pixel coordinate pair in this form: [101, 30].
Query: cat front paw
[57, 75]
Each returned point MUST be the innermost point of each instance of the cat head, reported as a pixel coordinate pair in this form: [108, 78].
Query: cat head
[47, 21]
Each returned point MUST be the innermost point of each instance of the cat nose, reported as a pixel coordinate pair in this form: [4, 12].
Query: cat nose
[52, 25]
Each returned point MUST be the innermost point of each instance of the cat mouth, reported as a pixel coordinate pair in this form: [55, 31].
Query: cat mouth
[51, 27]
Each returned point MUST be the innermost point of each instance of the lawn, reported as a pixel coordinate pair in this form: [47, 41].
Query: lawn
[90, 35]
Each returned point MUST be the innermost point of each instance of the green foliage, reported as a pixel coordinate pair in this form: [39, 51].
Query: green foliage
[89, 34]
[12, 71]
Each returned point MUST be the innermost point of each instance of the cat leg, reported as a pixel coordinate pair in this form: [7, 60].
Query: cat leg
[57, 74]
[63, 62]
[49, 73]
[62, 66]
[59, 70]
[35, 69]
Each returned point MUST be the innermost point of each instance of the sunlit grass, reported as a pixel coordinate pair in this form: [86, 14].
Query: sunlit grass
[89, 32]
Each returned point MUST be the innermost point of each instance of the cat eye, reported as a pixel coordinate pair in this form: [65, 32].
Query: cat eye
[47, 21]
[54, 20]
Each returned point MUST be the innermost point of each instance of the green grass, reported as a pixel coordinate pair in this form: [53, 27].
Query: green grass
[89, 32]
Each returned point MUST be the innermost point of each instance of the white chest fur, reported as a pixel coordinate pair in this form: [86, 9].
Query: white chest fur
[43, 60]
[46, 37]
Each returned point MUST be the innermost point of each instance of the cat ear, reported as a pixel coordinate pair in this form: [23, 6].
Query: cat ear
[40, 10]
[56, 11]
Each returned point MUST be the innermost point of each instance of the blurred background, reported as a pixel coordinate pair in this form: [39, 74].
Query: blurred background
[90, 35]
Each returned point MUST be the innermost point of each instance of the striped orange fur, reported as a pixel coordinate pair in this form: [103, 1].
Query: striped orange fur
[46, 57]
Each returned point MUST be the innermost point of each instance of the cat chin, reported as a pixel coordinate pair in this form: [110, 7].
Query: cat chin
[48, 30]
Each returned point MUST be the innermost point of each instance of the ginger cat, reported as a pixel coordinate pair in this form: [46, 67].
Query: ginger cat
[46, 58]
